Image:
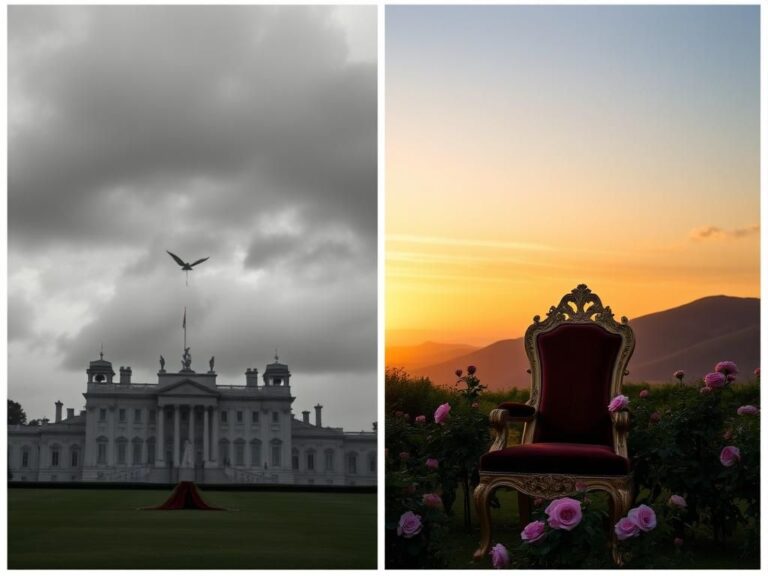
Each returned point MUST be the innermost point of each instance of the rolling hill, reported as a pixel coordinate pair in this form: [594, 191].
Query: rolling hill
[691, 337]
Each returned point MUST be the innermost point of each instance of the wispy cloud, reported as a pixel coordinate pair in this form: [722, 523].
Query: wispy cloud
[715, 233]
[437, 240]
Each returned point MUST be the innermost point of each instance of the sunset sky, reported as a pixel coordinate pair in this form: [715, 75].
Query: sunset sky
[530, 149]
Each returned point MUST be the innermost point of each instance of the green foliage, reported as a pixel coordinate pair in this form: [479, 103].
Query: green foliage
[16, 414]
[676, 438]
[413, 437]
[585, 546]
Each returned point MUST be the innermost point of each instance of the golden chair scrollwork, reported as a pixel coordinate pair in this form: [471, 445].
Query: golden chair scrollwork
[578, 356]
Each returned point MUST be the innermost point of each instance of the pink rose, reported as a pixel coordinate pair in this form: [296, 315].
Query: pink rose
[619, 403]
[404, 456]
[679, 374]
[432, 463]
[432, 501]
[475, 405]
[729, 456]
[705, 390]
[471, 370]
[533, 532]
[655, 417]
[747, 410]
[409, 525]
[458, 373]
[678, 542]
[625, 528]
[714, 380]
[564, 513]
[398, 414]
[644, 517]
[421, 419]
[677, 501]
[442, 412]
[499, 557]
[726, 367]
[643, 393]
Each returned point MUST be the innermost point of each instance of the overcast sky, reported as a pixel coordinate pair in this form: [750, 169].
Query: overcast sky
[245, 134]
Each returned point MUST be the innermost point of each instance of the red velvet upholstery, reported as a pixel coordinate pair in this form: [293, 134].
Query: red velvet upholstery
[547, 458]
[577, 362]
[517, 410]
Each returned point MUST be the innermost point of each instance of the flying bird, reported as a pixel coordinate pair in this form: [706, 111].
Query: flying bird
[186, 266]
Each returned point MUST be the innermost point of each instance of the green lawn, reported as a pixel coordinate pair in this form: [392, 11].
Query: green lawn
[49, 528]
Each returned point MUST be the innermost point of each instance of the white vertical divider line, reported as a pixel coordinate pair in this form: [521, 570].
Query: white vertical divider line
[381, 224]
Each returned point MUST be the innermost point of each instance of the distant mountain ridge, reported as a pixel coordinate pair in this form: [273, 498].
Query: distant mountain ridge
[691, 337]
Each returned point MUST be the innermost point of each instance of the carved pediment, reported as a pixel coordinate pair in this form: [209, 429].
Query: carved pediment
[186, 388]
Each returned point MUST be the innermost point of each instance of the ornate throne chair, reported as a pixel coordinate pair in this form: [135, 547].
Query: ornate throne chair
[578, 357]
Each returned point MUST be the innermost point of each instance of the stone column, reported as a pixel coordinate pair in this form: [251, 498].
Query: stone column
[191, 434]
[176, 436]
[215, 436]
[206, 444]
[160, 440]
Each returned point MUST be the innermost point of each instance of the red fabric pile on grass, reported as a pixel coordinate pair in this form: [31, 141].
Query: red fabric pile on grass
[184, 497]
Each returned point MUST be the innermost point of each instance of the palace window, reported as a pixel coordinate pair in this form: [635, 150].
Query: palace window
[224, 451]
[239, 416]
[152, 416]
[255, 417]
[136, 452]
[310, 461]
[294, 458]
[25, 457]
[255, 453]
[151, 448]
[239, 452]
[102, 414]
[101, 454]
[122, 415]
[351, 463]
[137, 415]
[223, 416]
[74, 456]
[329, 460]
[277, 448]
[122, 448]
[275, 417]
[372, 462]
[55, 455]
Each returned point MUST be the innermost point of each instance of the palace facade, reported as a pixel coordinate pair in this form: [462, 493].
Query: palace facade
[187, 423]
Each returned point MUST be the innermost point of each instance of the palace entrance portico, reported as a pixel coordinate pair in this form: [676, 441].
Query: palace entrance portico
[187, 411]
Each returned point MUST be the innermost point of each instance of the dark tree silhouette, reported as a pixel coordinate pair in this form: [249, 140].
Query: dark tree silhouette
[16, 414]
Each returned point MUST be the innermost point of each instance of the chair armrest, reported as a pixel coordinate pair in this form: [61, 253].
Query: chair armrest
[503, 416]
[518, 412]
[620, 431]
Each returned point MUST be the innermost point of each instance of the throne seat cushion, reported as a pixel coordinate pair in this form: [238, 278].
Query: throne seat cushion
[556, 458]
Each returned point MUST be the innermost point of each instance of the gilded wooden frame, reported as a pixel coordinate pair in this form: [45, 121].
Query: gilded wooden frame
[580, 306]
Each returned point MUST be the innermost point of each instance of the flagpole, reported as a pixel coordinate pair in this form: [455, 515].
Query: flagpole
[185, 327]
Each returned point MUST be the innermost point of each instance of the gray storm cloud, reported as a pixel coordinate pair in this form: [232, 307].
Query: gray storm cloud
[247, 134]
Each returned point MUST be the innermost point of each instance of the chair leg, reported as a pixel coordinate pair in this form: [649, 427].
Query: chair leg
[524, 509]
[482, 498]
[621, 500]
